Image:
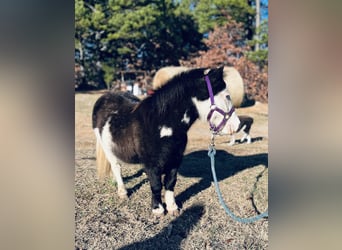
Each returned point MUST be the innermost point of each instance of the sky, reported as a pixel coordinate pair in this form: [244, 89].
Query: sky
[264, 11]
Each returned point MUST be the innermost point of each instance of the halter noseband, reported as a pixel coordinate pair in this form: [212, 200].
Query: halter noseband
[213, 108]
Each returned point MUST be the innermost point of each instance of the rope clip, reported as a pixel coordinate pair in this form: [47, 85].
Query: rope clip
[212, 150]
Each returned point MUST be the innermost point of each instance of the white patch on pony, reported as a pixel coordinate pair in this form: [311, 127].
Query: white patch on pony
[165, 131]
[186, 118]
[106, 137]
[170, 201]
[158, 211]
[206, 72]
[107, 145]
[202, 107]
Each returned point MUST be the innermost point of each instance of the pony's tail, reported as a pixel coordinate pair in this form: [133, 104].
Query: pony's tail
[103, 165]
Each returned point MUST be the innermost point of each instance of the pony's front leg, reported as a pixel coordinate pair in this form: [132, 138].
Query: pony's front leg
[169, 183]
[232, 140]
[156, 186]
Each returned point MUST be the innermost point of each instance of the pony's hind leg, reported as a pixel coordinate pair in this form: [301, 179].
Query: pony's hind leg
[116, 169]
[247, 128]
[106, 143]
[246, 135]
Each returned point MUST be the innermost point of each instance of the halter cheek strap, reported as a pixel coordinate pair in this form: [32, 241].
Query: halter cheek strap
[213, 108]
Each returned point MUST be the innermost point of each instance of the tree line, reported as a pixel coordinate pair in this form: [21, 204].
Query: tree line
[116, 35]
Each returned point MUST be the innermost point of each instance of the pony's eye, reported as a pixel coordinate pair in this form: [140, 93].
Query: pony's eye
[228, 97]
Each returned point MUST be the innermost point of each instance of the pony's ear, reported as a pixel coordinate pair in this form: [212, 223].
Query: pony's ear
[220, 69]
[218, 72]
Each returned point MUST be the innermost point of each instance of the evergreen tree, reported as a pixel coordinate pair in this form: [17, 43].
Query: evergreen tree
[120, 35]
[211, 13]
[115, 35]
[88, 46]
[260, 57]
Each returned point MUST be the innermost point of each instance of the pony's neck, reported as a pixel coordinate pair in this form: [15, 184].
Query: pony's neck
[171, 105]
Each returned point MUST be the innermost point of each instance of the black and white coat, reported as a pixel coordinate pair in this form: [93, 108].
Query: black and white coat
[154, 131]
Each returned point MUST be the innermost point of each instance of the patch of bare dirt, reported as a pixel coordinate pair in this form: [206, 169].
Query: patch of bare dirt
[103, 221]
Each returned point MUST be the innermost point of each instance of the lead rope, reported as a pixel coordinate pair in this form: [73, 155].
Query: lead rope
[211, 154]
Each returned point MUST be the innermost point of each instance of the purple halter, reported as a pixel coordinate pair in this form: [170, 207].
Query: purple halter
[213, 108]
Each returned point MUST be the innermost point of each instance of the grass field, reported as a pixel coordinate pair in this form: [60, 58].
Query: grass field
[103, 221]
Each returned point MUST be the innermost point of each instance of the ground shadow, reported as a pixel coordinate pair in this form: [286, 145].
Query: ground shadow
[259, 138]
[136, 187]
[247, 102]
[172, 235]
[197, 164]
[254, 188]
[255, 139]
[133, 176]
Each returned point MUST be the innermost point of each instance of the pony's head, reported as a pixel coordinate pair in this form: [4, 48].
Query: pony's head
[214, 104]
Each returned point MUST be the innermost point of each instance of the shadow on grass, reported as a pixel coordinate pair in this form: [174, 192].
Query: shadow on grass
[133, 176]
[255, 139]
[254, 188]
[172, 235]
[197, 164]
[137, 186]
[246, 102]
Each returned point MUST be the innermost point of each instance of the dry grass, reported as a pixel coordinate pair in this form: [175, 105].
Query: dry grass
[103, 221]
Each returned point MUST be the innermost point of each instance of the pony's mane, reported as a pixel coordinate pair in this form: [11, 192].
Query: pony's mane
[174, 89]
[185, 75]
[177, 92]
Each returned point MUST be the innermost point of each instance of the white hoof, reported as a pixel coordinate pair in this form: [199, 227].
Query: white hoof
[171, 205]
[158, 211]
[122, 192]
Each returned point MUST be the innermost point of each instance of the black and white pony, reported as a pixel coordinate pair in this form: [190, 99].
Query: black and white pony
[154, 131]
